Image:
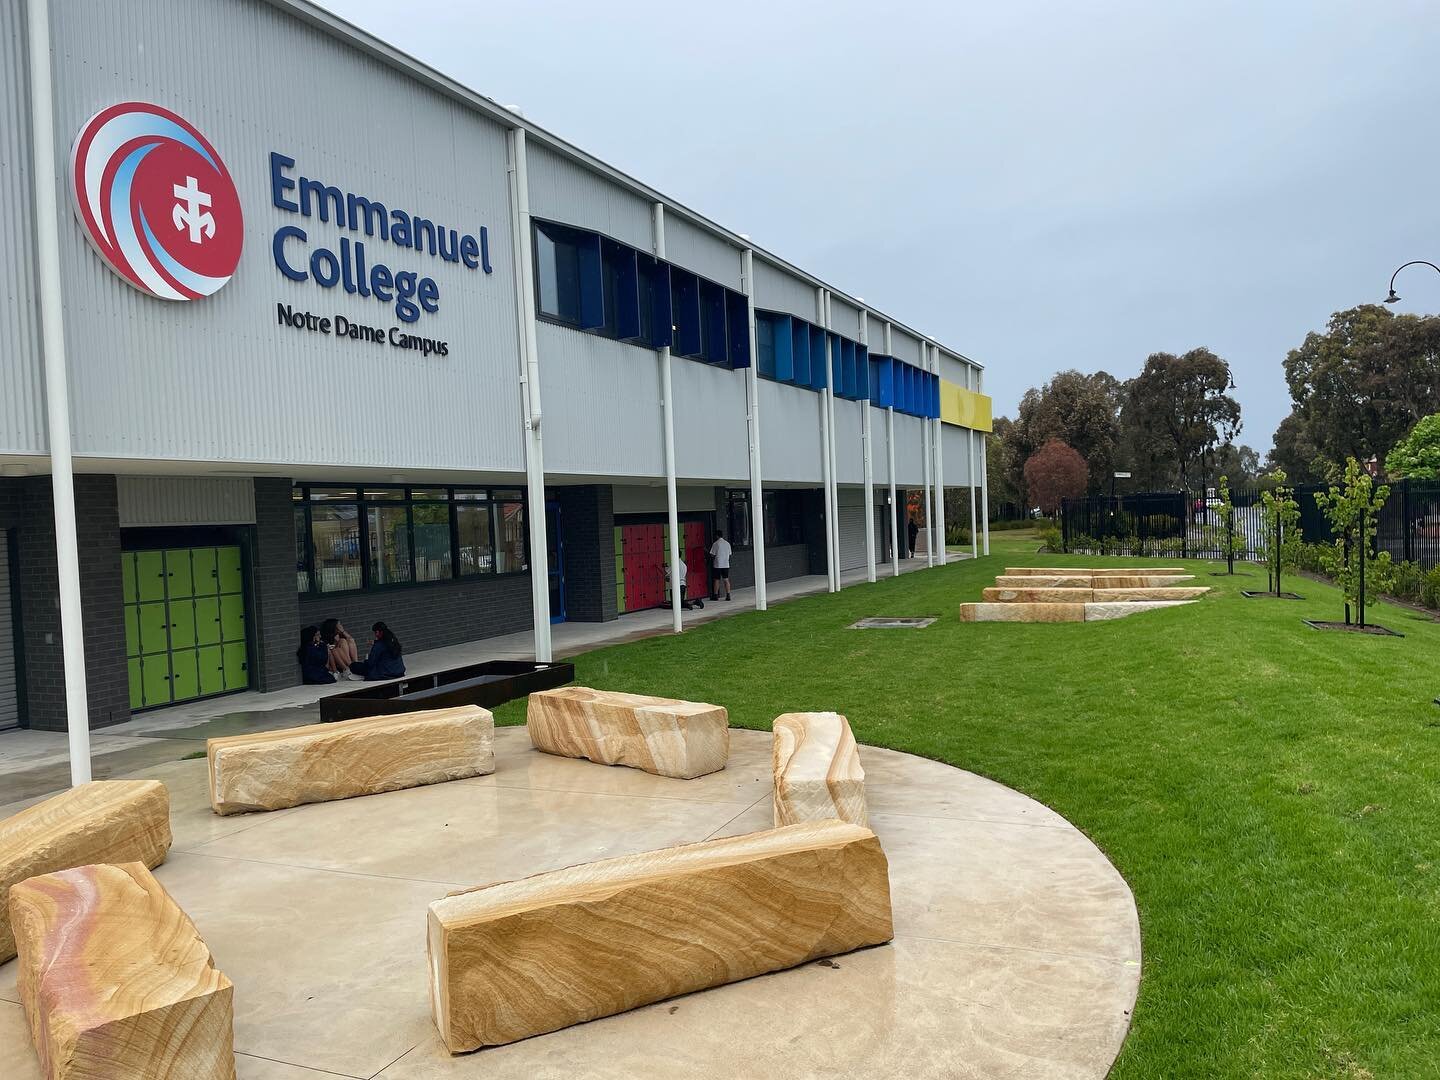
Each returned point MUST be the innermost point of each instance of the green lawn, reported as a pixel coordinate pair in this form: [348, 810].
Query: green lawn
[1269, 791]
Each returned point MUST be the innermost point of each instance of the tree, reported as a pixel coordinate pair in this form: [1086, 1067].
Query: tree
[1362, 384]
[1054, 472]
[1078, 409]
[1176, 414]
[1280, 537]
[1238, 463]
[1418, 454]
[1352, 506]
[1004, 475]
[1295, 452]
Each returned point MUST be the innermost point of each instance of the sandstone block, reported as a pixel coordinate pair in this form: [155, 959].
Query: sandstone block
[1038, 581]
[275, 769]
[683, 739]
[1007, 595]
[1139, 571]
[1103, 612]
[1026, 613]
[1172, 592]
[1095, 571]
[817, 770]
[115, 981]
[524, 957]
[102, 821]
[1142, 581]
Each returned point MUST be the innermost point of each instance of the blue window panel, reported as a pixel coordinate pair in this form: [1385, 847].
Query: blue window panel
[765, 345]
[713, 347]
[884, 391]
[655, 314]
[819, 359]
[592, 283]
[934, 396]
[738, 323]
[800, 338]
[862, 373]
[685, 312]
[784, 348]
[838, 368]
[907, 391]
[849, 352]
[621, 290]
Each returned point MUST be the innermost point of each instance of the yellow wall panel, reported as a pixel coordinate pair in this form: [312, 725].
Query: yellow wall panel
[964, 408]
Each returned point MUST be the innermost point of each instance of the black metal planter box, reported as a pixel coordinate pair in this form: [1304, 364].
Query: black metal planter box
[487, 685]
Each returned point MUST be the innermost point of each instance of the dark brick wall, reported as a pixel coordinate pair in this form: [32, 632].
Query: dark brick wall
[788, 561]
[426, 616]
[273, 597]
[97, 513]
[813, 503]
[587, 520]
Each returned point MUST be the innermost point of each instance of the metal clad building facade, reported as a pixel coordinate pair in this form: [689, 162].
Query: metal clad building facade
[288, 447]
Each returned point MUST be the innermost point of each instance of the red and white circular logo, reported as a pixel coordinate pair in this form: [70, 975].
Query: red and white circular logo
[156, 201]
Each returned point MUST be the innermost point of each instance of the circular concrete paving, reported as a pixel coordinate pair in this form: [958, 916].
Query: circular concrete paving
[1016, 951]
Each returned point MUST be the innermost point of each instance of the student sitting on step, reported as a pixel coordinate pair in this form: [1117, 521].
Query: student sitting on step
[314, 657]
[384, 661]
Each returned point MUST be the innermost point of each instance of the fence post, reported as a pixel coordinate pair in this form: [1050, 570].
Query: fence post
[1185, 524]
[1230, 539]
[1065, 526]
[1407, 545]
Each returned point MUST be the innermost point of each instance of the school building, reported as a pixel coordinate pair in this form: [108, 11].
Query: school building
[294, 326]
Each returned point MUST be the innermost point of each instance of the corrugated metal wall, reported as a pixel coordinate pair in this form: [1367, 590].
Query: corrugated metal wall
[696, 250]
[956, 370]
[185, 500]
[711, 441]
[218, 379]
[651, 500]
[563, 191]
[601, 402]
[22, 402]
[789, 433]
[909, 451]
[9, 700]
[849, 447]
[776, 290]
[956, 443]
[879, 439]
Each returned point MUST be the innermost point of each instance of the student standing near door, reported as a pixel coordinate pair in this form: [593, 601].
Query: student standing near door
[719, 565]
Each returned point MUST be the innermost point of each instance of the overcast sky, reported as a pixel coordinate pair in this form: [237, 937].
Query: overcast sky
[1038, 185]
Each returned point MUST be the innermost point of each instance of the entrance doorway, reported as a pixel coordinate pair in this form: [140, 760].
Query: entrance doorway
[185, 625]
[555, 561]
[642, 552]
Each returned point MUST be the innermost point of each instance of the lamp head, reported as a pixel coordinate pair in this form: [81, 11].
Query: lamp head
[1392, 298]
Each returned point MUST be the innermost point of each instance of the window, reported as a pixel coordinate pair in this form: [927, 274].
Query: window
[765, 346]
[568, 278]
[349, 538]
[737, 519]
[784, 522]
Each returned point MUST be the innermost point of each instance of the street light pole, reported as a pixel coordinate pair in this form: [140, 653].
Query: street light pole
[1393, 298]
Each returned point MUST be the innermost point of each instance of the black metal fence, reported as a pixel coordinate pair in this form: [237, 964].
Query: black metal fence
[1192, 525]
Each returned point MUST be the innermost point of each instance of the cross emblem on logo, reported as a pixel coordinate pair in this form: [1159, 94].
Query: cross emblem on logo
[190, 212]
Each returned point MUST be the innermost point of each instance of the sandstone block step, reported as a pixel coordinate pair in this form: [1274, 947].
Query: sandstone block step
[664, 736]
[1095, 571]
[524, 957]
[102, 821]
[115, 981]
[817, 769]
[1037, 581]
[1006, 595]
[275, 769]
[1056, 613]
[1162, 592]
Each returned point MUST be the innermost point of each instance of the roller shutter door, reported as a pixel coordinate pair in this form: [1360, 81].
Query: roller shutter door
[9, 700]
[852, 528]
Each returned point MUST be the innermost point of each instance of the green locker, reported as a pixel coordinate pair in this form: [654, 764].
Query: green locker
[132, 631]
[207, 620]
[232, 618]
[149, 576]
[137, 688]
[180, 581]
[184, 675]
[211, 660]
[182, 625]
[228, 570]
[155, 679]
[127, 574]
[206, 581]
[154, 626]
[237, 675]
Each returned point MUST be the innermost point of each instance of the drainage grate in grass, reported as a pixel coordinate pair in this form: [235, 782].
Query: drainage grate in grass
[885, 623]
[1354, 628]
[1252, 595]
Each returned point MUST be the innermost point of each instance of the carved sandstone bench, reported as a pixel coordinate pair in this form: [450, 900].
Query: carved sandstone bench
[664, 736]
[275, 769]
[524, 957]
[102, 821]
[817, 769]
[115, 980]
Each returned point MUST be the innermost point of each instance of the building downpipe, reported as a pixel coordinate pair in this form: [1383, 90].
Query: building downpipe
[752, 420]
[667, 417]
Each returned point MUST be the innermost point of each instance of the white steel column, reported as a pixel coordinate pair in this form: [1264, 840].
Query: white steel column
[865, 448]
[832, 574]
[984, 473]
[834, 470]
[942, 556]
[667, 412]
[927, 455]
[974, 534]
[57, 391]
[530, 396]
[752, 419]
[899, 535]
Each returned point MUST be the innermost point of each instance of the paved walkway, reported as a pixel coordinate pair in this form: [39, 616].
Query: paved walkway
[1017, 947]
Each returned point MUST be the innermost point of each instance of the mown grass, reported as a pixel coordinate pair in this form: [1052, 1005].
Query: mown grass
[1268, 790]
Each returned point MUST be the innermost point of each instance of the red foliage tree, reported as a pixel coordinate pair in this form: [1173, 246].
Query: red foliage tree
[1056, 471]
